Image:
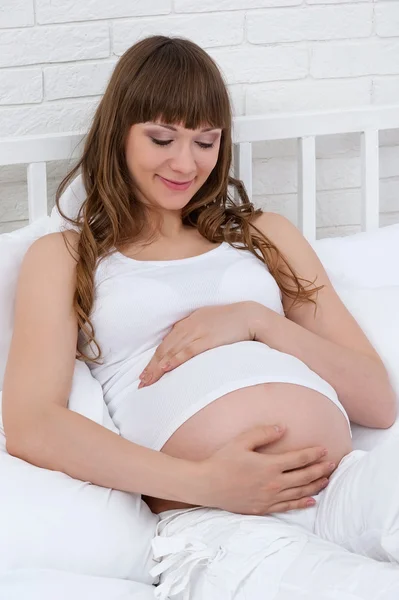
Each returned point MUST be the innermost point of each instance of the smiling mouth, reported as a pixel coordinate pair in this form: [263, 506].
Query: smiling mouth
[176, 186]
[177, 182]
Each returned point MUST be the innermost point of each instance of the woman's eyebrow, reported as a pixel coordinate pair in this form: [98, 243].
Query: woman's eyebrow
[174, 128]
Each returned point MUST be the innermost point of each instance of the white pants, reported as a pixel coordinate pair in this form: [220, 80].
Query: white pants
[344, 548]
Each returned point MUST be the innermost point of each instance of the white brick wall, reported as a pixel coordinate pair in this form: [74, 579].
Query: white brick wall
[207, 30]
[21, 87]
[274, 26]
[53, 44]
[16, 13]
[76, 80]
[59, 11]
[56, 58]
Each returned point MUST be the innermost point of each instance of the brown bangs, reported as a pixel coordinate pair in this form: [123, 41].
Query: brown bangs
[179, 85]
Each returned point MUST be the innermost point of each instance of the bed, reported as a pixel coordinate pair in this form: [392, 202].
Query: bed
[67, 539]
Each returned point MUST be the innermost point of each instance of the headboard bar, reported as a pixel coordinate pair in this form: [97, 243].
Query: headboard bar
[37, 190]
[257, 128]
[243, 165]
[307, 186]
[40, 148]
[370, 180]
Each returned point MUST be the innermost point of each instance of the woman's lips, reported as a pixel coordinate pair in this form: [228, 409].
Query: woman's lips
[172, 185]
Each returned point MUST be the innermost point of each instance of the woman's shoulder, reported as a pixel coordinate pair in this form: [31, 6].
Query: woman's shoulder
[55, 238]
[60, 247]
[270, 223]
[280, 231]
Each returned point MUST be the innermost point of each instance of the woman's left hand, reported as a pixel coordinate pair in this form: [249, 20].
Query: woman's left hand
[205, 328]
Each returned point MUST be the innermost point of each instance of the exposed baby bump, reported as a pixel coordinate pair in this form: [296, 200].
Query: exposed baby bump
[310, 418]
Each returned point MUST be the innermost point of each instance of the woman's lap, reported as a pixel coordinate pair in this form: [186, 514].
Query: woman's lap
[359, 510]
[218, 555]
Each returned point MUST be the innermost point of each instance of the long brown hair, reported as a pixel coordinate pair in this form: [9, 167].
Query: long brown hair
[171, 79]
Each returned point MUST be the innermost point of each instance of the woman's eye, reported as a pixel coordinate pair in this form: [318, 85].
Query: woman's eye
[167, 142]
[203, 145]
[161, 142]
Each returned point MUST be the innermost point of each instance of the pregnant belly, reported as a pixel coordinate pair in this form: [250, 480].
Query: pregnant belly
[310, 418]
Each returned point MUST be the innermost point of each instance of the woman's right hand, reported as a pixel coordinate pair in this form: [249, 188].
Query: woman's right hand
[239, 479]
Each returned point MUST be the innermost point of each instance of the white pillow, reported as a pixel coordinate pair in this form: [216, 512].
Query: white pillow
[366, 259]
[12, 250]
[46, 584]
[70, 202]
[377, 312]
[49, 520]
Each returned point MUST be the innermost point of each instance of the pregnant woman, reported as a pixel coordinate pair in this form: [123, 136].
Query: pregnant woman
[191, 311]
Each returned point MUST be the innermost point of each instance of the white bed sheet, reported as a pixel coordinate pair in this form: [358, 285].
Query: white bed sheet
[46, 584]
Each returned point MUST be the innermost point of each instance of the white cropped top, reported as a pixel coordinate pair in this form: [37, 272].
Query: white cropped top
[138, 302]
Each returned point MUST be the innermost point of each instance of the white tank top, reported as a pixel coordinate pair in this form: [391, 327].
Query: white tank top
[138, 302]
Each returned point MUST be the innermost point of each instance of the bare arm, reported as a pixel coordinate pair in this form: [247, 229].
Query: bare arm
[41, 430]
[331, 342]
[39, 427]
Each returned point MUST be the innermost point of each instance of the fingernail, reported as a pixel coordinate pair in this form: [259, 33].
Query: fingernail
[310, 502]
[325, 451]
[324, 483]
[146, 380]
[332, 465]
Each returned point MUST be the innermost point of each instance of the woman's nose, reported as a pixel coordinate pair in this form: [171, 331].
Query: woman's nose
[183, 161]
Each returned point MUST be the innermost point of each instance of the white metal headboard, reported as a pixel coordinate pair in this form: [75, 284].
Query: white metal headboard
[35, 151]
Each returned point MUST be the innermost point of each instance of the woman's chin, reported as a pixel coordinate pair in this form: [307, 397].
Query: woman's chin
[173, 202]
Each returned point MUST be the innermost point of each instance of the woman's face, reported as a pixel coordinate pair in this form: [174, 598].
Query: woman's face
[161, 156]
